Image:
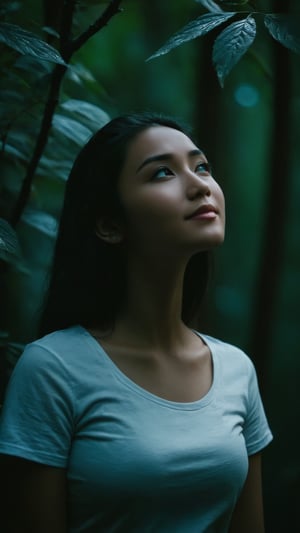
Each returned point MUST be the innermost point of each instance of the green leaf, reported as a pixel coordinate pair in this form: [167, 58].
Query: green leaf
[21, 140]
[54, 169]
[10, 97]
[234, 3]
[89, 114]
[210, 5]
[284, 29]
[195, 28]
[14, 152]
[78, 75]
[32, 67]
[9, 245]
[26, 43]
[71, 129]
[231, 44]
[41, 221]
[51, 31]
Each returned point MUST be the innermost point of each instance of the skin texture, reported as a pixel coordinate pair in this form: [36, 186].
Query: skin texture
[158, 195]
[164, 180]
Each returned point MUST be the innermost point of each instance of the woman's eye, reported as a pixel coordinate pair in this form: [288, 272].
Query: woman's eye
[162, 173]
[203, 167]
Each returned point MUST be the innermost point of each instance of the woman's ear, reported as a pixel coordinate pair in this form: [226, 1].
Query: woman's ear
[109, 231]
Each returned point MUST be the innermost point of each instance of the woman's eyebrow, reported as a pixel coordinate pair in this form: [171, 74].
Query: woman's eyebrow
[166, 157]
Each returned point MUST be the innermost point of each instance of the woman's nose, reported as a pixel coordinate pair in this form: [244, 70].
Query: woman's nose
[197, 185]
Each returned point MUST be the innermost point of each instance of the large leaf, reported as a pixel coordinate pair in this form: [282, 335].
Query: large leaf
[87, 113]
[41, 221]
[14, 153]
[27, 43]
[233, 2]
[57, 159]
[12, 96]
[195, 28]
[50, 168]
[21, 140]
[9, 245]
[231, 45]
[71, 129]
[210, 5]
[284, 29]
[78, 74]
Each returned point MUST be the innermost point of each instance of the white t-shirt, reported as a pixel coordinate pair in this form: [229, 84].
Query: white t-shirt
[135, 462]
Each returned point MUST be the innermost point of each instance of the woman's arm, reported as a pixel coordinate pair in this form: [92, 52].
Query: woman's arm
[34, 497]
[248, 515]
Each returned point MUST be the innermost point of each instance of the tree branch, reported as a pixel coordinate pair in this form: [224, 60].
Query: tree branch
[112, 9]
[66, 27]
[40, 142]
[67, 49]
[275, 230]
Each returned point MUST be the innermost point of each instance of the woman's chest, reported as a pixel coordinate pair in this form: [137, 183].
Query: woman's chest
[130, 448]
[179, 379]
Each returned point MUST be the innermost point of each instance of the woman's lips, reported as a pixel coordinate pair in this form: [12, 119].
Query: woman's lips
[204, 212]
[207, 215]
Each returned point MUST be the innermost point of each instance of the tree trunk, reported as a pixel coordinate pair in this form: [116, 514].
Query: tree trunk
[271, 261]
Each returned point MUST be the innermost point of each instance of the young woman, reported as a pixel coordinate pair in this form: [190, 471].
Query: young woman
[123, 418]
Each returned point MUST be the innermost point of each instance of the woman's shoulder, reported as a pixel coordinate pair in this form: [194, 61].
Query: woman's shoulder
[67, 338]
[230, 353]
[56, 348]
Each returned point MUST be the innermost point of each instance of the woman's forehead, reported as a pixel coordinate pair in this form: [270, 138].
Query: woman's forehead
[157, 140]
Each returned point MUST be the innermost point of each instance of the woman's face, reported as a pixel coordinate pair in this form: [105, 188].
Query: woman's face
[172, 203]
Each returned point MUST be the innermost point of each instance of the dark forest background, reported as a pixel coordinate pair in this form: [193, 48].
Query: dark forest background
[250, 130]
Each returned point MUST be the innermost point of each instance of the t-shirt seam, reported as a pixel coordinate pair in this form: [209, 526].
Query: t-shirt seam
[258, 445]
[31, 453]
[197, 405]
[179, 406]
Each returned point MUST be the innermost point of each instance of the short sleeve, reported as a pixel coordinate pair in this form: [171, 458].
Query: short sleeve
[37, 416]
[256, 430]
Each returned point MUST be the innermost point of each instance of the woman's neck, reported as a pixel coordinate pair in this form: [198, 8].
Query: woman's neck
[152, 312]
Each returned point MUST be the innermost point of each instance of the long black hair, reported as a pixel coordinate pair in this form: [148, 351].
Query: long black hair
[88, 279]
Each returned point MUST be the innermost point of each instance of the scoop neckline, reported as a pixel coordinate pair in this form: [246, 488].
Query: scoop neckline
[138, 389]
